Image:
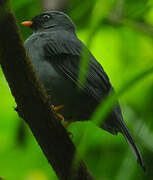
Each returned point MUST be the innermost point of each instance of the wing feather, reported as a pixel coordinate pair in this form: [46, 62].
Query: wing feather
[65, 56]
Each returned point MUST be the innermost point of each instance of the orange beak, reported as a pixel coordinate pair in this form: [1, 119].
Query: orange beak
[27, 23]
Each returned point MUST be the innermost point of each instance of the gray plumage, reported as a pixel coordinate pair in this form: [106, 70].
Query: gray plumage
[56, 51]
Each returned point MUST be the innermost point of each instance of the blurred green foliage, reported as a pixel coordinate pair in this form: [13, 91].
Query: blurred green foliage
[120, 35]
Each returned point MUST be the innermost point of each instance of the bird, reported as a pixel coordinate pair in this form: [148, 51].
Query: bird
[56, 53]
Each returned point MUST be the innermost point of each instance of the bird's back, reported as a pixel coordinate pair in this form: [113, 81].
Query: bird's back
[56, 52]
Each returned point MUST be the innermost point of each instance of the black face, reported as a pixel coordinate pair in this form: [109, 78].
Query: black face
[52, 19]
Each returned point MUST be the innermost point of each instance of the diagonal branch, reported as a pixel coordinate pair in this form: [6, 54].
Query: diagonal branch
[33, 103]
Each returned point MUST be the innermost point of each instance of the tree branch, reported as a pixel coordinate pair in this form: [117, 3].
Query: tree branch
[33, 103]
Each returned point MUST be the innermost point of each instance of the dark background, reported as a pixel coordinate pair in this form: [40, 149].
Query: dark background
[120, 35]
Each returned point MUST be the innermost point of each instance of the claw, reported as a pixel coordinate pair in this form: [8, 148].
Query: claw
[60, 116]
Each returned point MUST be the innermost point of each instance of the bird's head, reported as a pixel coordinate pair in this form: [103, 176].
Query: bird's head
[50, 20]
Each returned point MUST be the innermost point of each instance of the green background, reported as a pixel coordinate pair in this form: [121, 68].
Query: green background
[120, 35]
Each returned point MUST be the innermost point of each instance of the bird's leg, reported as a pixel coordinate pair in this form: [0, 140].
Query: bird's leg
[60, 116]
[57, 108]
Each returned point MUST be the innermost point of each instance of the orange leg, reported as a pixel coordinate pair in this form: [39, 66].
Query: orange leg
[60, 116]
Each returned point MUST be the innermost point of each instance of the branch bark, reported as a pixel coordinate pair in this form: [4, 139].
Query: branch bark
[33, 103]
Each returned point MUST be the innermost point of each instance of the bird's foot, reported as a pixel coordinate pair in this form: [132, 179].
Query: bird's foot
[60, 116]
[56, 109]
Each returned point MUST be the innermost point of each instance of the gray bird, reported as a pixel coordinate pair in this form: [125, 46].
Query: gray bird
[56, 52]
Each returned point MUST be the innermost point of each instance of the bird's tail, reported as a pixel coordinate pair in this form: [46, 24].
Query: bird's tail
[124, 130]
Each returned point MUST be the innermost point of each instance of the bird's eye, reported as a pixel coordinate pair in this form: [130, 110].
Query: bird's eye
[46, 16]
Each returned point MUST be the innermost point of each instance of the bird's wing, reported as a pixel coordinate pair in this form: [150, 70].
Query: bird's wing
[65, 55]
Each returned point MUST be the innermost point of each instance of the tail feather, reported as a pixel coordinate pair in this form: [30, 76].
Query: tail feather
[126, 133]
